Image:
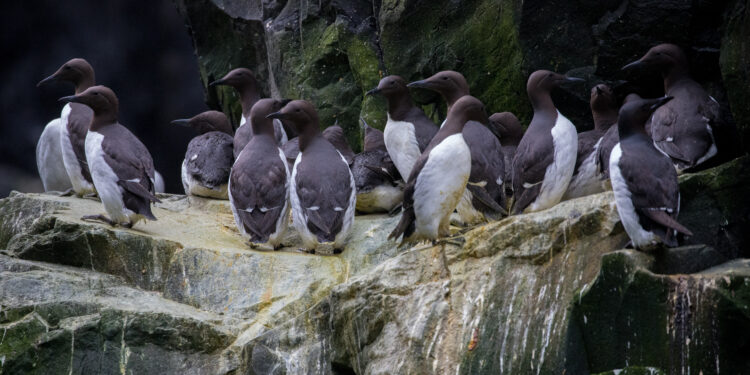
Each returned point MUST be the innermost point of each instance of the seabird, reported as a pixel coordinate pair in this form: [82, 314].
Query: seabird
[611, 138]
[322, 191]
[49, 160]
[333, 134]
[644, 180]
[586, 178]
[121, 166]
[244, 82]
[408, 131]
[506, 126]
[546, 157]
[683, 128]
[439, 177]
[379, 185]
[75, 119]
[259, 181]
[209, 157]
[484, 198]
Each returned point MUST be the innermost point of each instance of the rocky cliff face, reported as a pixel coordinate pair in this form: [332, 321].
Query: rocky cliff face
[542, 293]
[331, 52]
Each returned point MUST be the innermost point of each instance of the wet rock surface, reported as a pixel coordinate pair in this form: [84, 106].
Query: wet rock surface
[541, 293]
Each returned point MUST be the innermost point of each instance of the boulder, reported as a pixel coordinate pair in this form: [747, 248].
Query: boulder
[539, 293]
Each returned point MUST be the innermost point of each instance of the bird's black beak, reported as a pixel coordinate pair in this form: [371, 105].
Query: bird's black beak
[634, 64]
[181, 122]
[69, 99]
[277, 115]
[218, 82]
[423, 84]
[574, 79]
[47, 80]
[660, 102]
[373, 92]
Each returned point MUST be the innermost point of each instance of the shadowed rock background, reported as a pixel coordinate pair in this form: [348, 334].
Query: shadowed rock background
[332, 52]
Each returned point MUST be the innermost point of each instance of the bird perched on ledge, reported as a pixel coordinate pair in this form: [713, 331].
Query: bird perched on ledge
[322, 190]
[259, 181]
[121, 167]
[439, 177]
[484, 198]
[75, 120]
[586, 178]
[546, 157]
[684, 127]
[208, 158]
[644, 181]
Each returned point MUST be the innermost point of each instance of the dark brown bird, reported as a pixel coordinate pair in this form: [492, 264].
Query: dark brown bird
[546, 157]
[438, 179]
[506, 126]
[121, 166]
[685, 127]
[322, 191]
[408, 130]
[587, 178]
[209, 157]
[379, 185]
[259, 181]
[484, 198]
[244, 82]
[75, 119]
[644, 180]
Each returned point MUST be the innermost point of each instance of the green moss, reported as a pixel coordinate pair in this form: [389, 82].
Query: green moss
[478, 38]
[735, 64]
[19, 336]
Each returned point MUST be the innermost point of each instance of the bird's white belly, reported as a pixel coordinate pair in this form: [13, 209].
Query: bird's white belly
[382, 198]
[299, 219]
[49, 160]
[80, 185]
[639, 236]
[440, 184]
[194, 187]
[466, 212]
[586, 181]
[105, 181]
[560, 171]
[401, 142]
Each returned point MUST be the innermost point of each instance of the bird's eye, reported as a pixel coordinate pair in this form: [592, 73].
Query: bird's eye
[549, 75]
[393, 82]
[445, 78]
[96, 93]
[297, 110]
[66, 67]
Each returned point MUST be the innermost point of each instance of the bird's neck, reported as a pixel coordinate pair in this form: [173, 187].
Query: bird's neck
[451, 97]
[603, 119]
[542, 103]
[248, 97]
[673, 75]
[262, 126]
[84, 83]
[102, 120]
[399, 106]
[308, 135]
